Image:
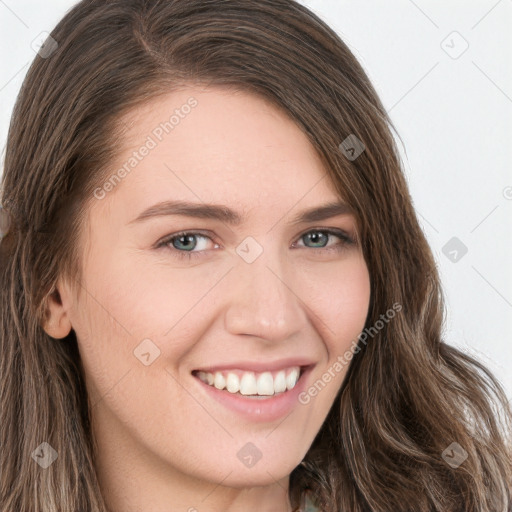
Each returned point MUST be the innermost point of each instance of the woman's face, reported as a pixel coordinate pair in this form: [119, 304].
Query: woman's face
[250, 290]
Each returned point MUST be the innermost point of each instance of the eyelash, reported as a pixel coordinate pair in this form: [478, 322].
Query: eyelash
[345, 241]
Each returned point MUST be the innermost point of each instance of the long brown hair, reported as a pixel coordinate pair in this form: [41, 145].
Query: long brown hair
[407, 397]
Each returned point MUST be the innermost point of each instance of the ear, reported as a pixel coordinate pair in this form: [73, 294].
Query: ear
[58, 323]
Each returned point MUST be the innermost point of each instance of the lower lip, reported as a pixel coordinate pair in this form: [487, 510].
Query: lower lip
[259, 409]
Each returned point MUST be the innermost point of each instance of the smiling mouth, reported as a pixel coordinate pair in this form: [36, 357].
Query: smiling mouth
[252, 384]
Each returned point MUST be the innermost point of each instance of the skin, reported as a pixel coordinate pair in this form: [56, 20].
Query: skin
[163, 444]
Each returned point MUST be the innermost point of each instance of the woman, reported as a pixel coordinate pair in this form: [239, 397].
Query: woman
[173, 338]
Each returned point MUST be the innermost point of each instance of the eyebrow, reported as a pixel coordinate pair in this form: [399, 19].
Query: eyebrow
[229, 216]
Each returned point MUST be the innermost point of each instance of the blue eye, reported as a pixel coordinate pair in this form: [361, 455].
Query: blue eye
[325, 234]
[182, 244]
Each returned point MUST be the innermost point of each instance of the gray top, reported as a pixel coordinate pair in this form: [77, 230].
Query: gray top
[309, 505]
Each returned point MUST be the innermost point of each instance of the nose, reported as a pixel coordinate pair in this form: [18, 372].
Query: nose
[263, 301]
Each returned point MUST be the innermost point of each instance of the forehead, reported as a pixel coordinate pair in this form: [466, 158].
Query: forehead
[217, 145]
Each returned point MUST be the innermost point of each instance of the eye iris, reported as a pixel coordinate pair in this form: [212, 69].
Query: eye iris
[188, 238]
[317, 236]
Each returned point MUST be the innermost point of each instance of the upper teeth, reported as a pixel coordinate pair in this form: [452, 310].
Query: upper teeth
[250, 383]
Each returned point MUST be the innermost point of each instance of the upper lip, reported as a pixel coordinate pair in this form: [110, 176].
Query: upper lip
[258, 366]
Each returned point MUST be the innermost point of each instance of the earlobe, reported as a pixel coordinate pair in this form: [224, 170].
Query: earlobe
[57, 323]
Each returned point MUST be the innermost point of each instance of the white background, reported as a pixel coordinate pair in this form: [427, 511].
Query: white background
[454, 116]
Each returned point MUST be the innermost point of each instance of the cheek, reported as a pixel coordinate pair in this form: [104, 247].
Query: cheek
[340, 308]
[340, 298]
[132, 313]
